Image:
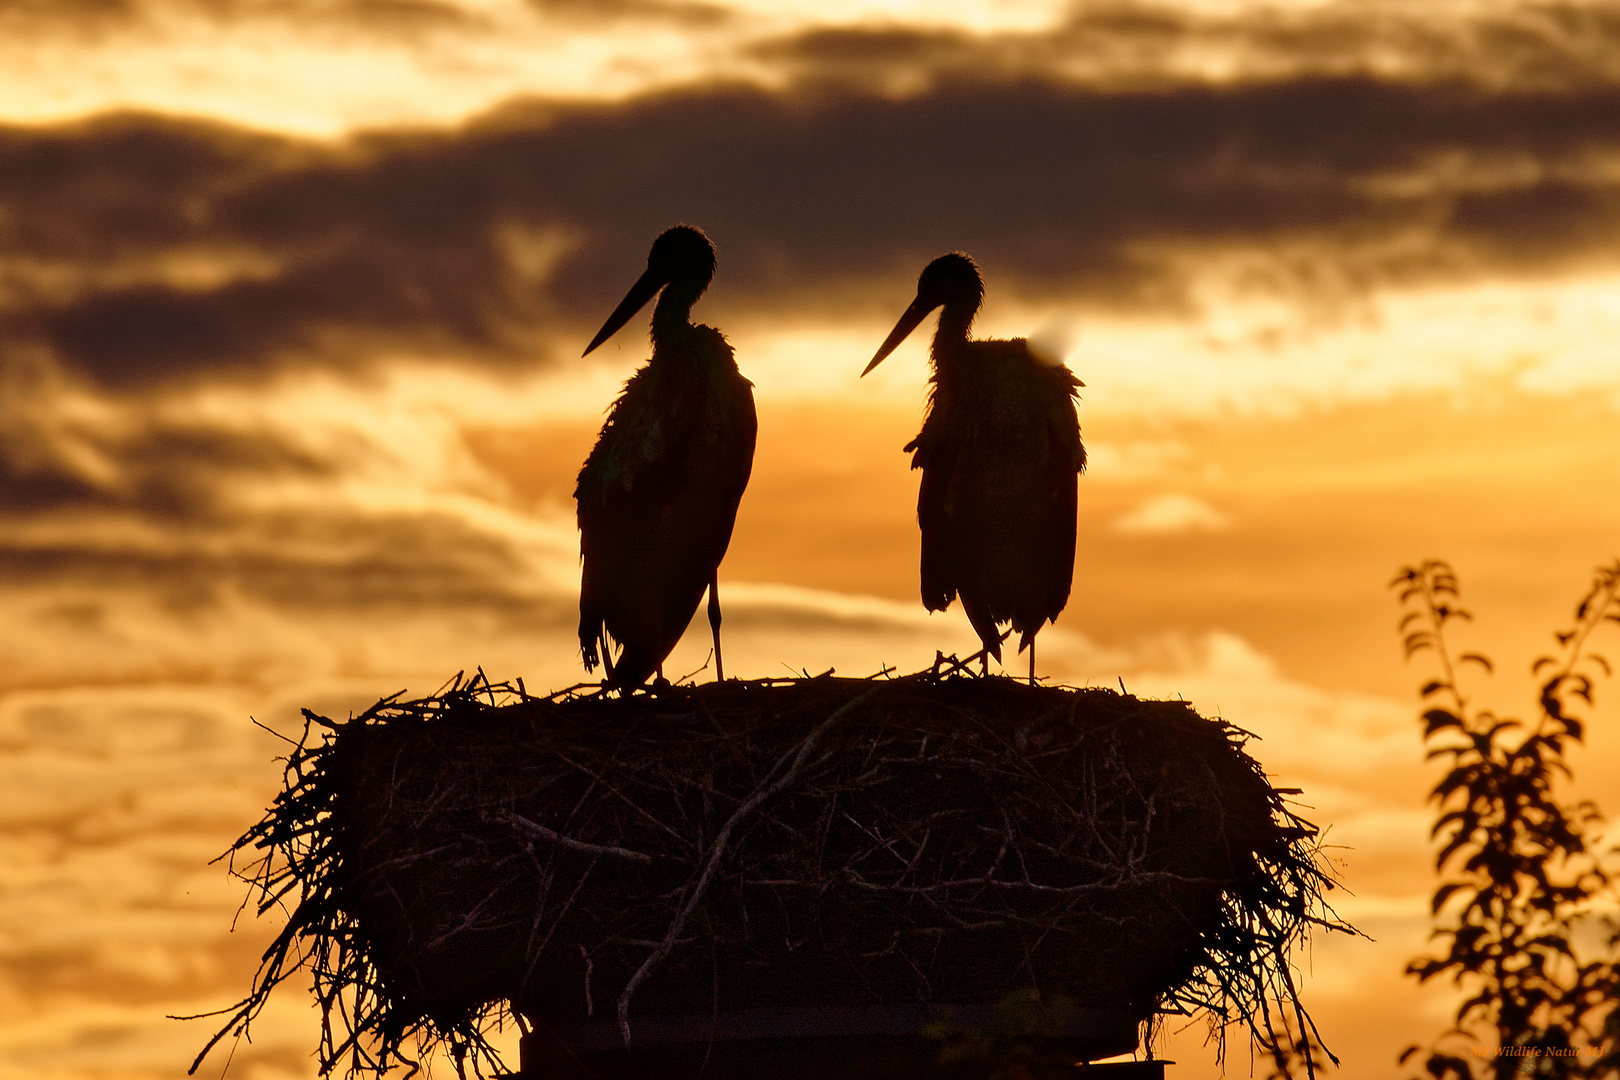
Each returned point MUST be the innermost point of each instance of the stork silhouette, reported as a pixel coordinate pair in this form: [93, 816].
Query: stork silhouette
[1000, 455]
[658, 493]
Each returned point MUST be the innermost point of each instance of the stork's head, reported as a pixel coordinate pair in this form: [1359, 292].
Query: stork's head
[681, 256]
[951, 282]
[682, 253]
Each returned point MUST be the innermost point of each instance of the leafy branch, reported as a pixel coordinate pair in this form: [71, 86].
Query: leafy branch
[1519, 874]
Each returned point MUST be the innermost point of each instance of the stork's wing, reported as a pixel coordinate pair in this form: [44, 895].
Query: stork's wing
[1050, 525]
[936, 457]
[1057, 458]
[1000, 454]
[658, 498]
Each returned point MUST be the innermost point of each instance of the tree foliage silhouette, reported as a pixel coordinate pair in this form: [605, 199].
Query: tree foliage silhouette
[1520, 869]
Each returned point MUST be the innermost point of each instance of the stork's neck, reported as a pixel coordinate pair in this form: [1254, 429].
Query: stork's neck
[955, 320]
[673, 312]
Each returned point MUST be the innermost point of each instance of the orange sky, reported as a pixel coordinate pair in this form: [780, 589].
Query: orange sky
[292, 292]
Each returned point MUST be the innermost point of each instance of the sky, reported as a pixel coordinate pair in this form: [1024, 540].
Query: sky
[292, 300]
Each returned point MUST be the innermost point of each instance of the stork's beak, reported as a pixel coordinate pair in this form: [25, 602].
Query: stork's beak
[645, 288]
[915, 314]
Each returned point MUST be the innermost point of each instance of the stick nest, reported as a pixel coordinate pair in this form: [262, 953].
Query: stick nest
[778, 842]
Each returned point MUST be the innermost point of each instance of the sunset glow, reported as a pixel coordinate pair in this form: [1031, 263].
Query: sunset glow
[294, 294]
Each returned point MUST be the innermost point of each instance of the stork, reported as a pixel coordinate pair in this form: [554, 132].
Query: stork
[658, 493]
[1000, 455]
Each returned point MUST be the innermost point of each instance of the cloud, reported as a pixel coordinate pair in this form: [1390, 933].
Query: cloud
[112, 916]
[599, 11]
[387, 17]
[144, 260]
[1126, 44]
[374, 17]
[342, 560]
[1168, 514]
[191, 535]
[138, 250]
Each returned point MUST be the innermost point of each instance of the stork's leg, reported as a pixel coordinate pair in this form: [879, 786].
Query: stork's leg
[1032, 661]
[714, 625]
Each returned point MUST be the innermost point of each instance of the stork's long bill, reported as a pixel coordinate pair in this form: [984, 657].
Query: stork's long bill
[916, 313]
[645, 288]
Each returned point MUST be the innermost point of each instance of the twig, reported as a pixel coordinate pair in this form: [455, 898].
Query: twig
[718, 850]
[540, 832]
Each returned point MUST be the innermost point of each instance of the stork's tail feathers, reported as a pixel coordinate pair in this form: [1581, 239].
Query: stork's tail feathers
[596, 648]
[985, 627]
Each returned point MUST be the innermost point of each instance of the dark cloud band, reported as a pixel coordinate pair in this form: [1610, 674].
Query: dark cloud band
[141, 249]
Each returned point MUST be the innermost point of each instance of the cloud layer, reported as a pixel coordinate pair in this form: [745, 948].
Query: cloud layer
[137, 250]
[147, 262]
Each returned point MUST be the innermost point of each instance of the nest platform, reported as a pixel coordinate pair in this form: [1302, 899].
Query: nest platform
[750, 863]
